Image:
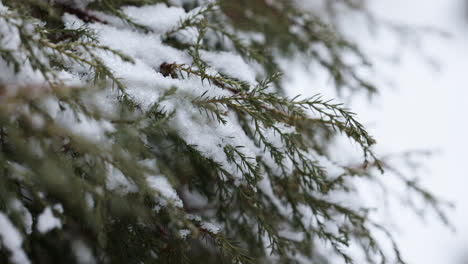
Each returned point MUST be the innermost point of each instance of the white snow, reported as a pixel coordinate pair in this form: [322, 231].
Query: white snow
[89, 200]
[162, 186]
[231, 64]
[47, 221]
[59, 208]
[159, 17]
[184, 233]
[193, 198]
[83, 254]
[193, 217]
[91, 129]
[11, 238]
[210, 227]
[265, 186]
[146, 85]
[27, 218]
[291, 235]
[10, 40]
[117, 180]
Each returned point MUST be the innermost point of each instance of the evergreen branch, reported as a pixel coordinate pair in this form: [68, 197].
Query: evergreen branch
[195, 19]
[258, 194]
[263, 106]
[220, 80]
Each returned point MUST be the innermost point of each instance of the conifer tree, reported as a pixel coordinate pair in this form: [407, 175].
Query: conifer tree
[158, 131]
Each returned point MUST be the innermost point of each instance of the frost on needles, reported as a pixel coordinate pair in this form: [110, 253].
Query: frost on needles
[146, 131]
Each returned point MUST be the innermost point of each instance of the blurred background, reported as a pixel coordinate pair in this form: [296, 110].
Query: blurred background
[425, 106]
[433, 103]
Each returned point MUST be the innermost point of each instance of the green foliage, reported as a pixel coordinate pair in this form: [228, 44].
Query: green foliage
[254, 198]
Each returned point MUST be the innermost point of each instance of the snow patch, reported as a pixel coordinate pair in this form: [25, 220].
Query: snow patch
[210, 227]
[161, 185]
[48, 221]
[116, 180]
[26, 215]
[159, 17]
[12, 240]
[184, 233]
[82, 253]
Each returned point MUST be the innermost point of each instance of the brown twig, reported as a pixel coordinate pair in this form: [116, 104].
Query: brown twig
[81, 14]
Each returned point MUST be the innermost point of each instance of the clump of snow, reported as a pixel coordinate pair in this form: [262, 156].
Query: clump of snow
[18, 170]
[333, 170]
[165, 193]
[116, 180]
[77, 122]
[193, 217]
[210, 227]
[210, 137]
[10, 41]
[159, 17]
[26, 215]
[82, 253]
[59, 208]
[92, 129]
[12, 240]
[291, 235]
[47, 221]
[267, 244]
[193, 198]
[149, 163]
[89, 200]
[231, 64]
[184, 233]
[161, 185]
[265, 186]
